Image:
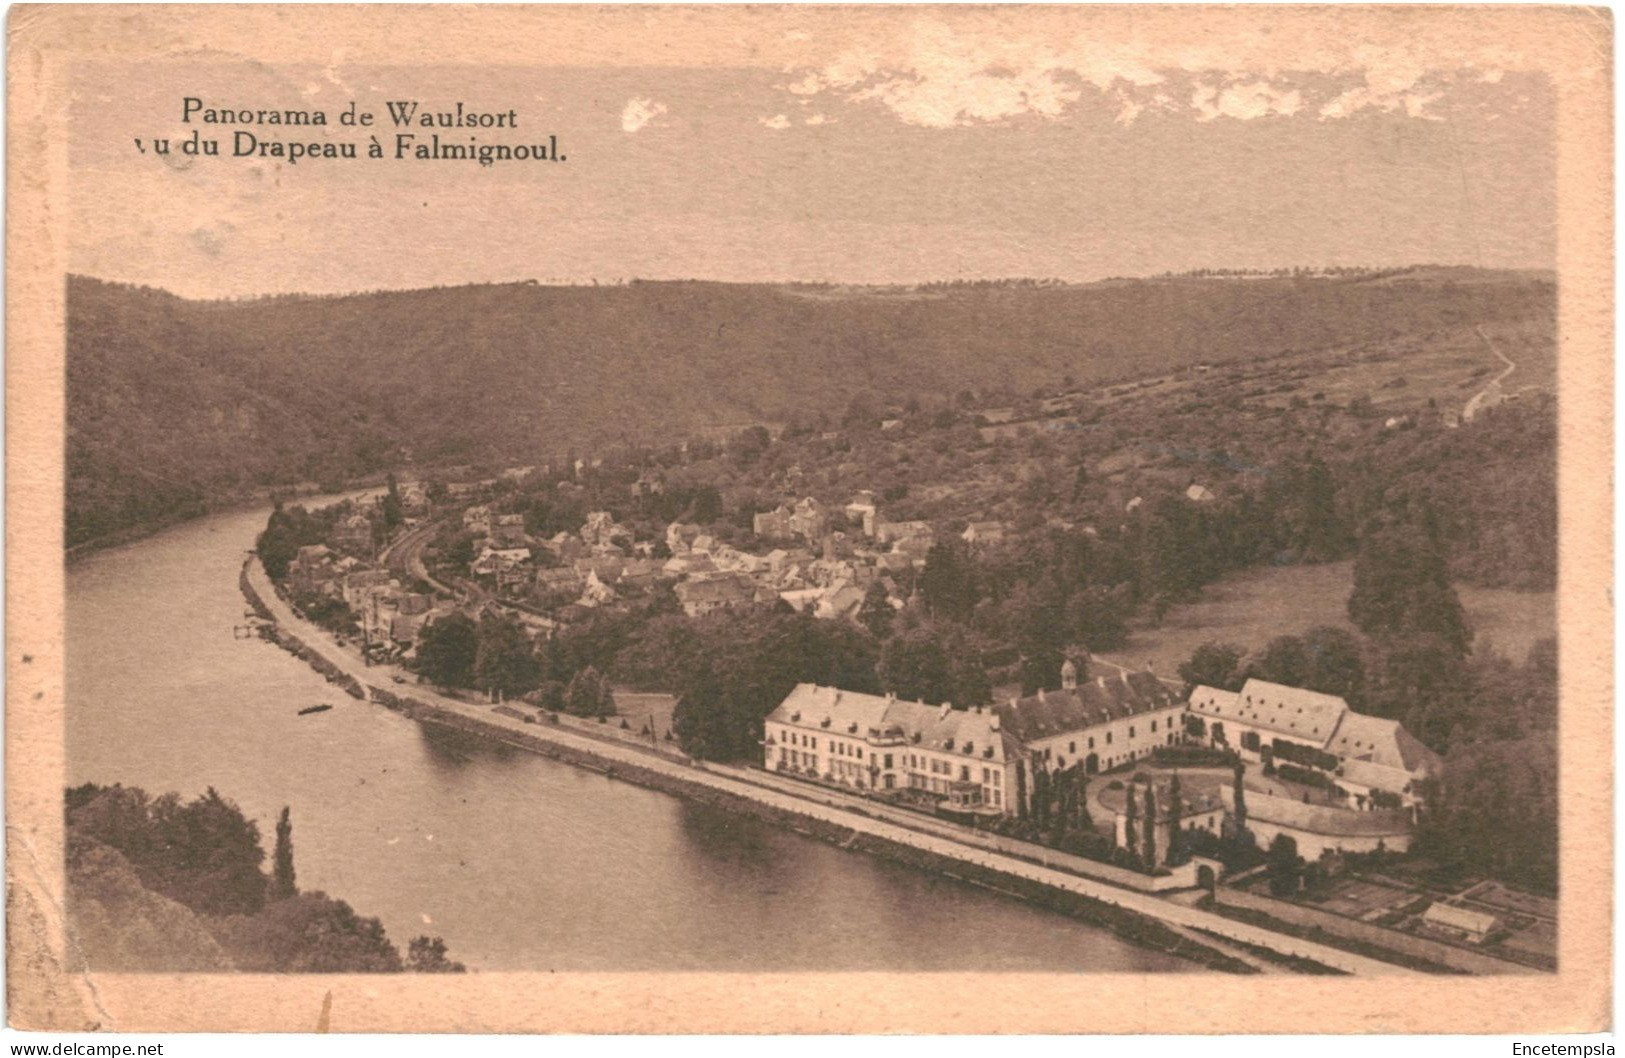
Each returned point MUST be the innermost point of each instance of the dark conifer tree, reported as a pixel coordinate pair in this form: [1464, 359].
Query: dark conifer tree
[1150, 827]
[1131, 818]
[282, 878]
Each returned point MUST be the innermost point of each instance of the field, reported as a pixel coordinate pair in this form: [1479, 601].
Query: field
[639, 708]
[1251, 608]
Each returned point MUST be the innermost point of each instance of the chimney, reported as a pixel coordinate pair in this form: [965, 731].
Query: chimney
[942, 714]
[993, 721]
[1100, 681]
[1041, 694]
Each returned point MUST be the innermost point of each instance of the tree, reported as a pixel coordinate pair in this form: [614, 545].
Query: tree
[1042, 781]
[204, 854]
[1213, 664]
[1283, 866]
[394, 513]
[707, 720]
[427, 955]
[282, 877]
[504, 662]
[1285, 660]
[934, 663]
[1425, 685]
[459, 550]
[1178, 852]
[1036, 622]
[1080, 780]
[1131, 816]
[287, 530]
[1175, 555]
[1150, 826]
[876, 613]
[589, 695]
[1239, 790]
[549, 696]
[1496, 815]
[745, 663]
[446, 650]
[1336, 663]
[948, 581]
[1318, 532]
[309, 933]
[1402, 586]
[1098, 616]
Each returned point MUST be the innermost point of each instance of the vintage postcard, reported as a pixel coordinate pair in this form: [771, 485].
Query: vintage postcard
[791, 519]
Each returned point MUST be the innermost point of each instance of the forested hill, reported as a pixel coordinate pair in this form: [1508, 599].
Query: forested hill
[175, 405]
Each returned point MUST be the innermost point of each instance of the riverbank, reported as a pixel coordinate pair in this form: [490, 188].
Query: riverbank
[1142, 917]
[1132, 927]
[221, 505]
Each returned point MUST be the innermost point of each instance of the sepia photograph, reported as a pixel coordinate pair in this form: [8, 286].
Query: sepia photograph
[595, 503]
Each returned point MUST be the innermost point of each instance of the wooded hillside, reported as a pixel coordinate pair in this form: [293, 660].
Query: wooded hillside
[174, 405]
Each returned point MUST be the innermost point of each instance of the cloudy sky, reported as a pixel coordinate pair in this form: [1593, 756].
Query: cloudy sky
[918, 144]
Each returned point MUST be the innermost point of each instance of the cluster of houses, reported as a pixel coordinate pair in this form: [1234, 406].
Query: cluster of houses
[820, 560]
[390, 616]
[983, 761]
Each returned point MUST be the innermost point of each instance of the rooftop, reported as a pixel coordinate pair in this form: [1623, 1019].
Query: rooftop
[971, 733]
[1052, 713]
[1291, 711]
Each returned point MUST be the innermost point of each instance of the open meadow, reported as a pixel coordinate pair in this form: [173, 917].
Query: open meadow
[1253, 607]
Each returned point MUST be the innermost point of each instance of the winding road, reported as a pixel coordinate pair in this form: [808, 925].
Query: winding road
[1493, 390]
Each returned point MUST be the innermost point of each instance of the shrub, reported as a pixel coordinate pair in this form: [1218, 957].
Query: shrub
[1306, 776]
[1192, 756]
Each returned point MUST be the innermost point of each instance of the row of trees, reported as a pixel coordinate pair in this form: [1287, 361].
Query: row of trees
[497, 656]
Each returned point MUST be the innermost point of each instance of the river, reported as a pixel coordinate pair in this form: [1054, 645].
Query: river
[518, 861]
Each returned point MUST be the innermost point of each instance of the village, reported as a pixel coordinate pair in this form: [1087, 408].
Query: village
[1296, 802]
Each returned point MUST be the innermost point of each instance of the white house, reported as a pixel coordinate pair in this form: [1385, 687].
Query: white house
[1371, 759]
[871, 741]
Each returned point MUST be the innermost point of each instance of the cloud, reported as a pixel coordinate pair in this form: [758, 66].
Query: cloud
[777, 121]
[1414, 103]
[640, 112]
[937, 74]
[809, 85]
[1392, 81]
[943, 102]
[1245, 101]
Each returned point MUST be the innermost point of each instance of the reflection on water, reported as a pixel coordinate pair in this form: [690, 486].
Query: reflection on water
[520, 862]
